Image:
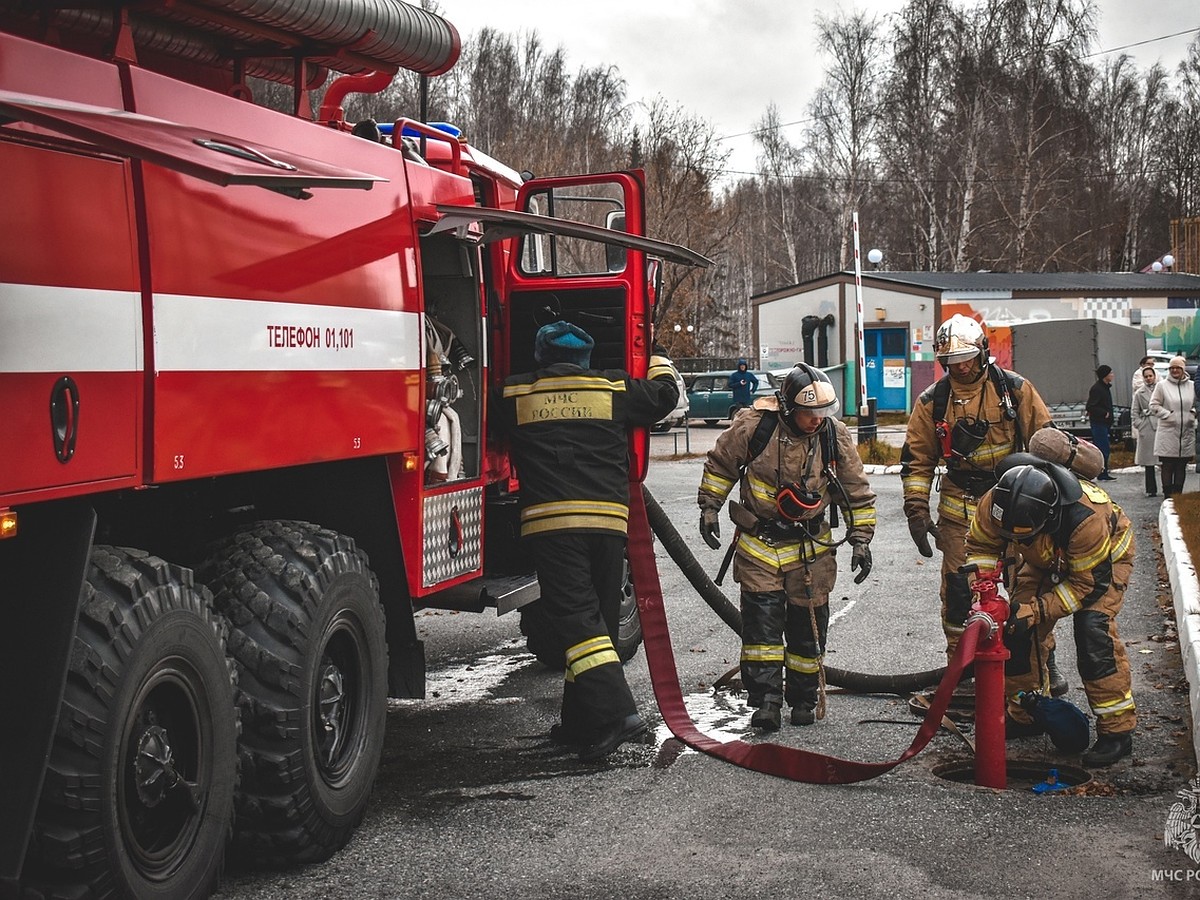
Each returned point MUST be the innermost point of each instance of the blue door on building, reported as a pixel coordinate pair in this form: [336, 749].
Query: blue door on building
[886, 359]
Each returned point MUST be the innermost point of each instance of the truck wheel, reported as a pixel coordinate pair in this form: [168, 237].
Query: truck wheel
[308, 637]
[138, 796]
[629, 622]
[542, 643]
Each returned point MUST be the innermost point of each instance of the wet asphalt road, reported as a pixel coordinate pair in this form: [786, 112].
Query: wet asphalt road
[473, 802]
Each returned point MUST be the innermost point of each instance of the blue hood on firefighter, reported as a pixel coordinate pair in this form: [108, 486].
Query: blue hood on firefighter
[562, 342]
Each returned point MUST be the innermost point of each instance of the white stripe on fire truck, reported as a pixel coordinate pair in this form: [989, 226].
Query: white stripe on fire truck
[216, 334]
[58, 329]
[54, 329]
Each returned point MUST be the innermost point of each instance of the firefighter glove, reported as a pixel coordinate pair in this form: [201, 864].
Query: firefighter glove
[958, 597]
[1021, 618]
[860, 559]
[710, 528]
[920, 528]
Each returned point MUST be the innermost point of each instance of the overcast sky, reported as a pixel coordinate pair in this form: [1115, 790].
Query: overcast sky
[726, 60]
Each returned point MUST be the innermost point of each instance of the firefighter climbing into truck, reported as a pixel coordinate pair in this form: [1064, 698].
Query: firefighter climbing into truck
[245, 361]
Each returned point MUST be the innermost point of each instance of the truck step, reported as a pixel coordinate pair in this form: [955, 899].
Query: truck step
[505, 592]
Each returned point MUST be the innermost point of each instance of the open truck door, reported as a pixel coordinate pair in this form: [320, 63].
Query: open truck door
[580, 255]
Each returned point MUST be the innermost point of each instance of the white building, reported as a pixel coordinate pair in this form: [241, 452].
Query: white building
[901, 312]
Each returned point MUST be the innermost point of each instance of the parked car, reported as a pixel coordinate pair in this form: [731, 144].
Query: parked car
[710, 399]
[1162, 358]
[678, 416]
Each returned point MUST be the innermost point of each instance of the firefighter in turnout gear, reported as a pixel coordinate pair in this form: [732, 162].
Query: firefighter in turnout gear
[967, 421]
[1074, 558]
[794, 463]
[568, 426]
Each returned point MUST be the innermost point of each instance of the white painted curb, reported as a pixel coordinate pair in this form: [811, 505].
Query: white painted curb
[1186, 592]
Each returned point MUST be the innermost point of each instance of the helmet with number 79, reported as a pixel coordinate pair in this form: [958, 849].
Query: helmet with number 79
[807, 389]
[960, 339]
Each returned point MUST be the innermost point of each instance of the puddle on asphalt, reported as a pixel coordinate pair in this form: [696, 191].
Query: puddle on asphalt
[720, 715]
[472, 682]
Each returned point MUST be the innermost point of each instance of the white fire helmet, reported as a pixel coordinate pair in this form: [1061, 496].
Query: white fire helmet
[960, 339]
[808, 389]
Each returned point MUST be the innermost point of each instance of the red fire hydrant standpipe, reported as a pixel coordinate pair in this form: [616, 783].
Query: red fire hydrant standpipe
[990, 611]
[774, 759]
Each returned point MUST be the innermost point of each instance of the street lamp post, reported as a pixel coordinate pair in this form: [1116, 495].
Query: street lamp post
[677, 328]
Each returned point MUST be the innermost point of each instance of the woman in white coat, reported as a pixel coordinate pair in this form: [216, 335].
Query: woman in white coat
[1145, 426]
[1137, 373]
[1173, 404]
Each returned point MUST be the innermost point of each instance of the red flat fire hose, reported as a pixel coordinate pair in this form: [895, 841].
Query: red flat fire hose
[772, 759]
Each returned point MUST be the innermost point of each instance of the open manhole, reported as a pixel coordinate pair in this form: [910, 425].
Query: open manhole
[1023, 774]
[960, 709]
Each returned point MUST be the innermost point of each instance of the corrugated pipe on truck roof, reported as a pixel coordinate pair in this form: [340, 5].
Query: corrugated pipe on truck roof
[391, 31]
[350, 36]
[176, 41]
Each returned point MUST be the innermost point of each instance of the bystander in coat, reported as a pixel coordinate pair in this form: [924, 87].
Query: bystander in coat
[1145, 425]
[1173, 404]
[1100, 414]
[742, 384]
[1137, 373]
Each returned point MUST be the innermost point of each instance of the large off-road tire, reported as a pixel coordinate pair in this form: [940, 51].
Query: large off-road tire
[138, 796]
[629, 622]
[541, 642]
[308, 637]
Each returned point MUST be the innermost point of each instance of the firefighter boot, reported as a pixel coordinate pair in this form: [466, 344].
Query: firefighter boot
[805, 648]
[613, 736]
[1108, 749]
[1058, 684]
[564, 737]
[767, 717]
[803, 715]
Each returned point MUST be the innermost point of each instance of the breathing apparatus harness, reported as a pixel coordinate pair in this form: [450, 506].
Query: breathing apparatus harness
[794, 501]
[958, 441]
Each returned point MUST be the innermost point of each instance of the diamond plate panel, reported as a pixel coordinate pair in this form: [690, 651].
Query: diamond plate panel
[453, 535]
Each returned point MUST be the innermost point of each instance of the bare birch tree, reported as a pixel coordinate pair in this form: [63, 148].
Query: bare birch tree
[779, 166]
[913, 125]
[842, 139]
[683, 159]
[1045, 39]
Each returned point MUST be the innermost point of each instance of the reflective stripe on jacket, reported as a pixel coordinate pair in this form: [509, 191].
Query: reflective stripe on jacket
[1074, 564]
[786, 458]
[568, 429]
[922, 452]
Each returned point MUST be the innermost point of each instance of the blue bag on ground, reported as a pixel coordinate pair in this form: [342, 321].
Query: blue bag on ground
[1062, 720]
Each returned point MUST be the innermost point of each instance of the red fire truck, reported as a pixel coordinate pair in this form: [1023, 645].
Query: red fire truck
[245, 360]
